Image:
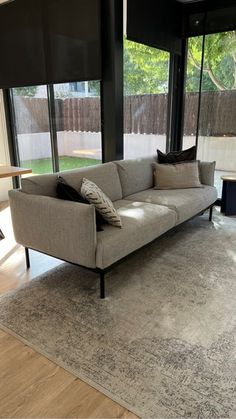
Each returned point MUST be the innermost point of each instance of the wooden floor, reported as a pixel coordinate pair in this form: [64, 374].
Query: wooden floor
[31, 386]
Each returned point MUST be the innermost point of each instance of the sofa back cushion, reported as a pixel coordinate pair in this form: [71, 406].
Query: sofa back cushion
[181, 175]
[207, 172]
[136, 175]
[40, 185]
[104, 175]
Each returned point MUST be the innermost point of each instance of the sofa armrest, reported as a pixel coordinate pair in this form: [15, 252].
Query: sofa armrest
[207, 172]
[64, 229]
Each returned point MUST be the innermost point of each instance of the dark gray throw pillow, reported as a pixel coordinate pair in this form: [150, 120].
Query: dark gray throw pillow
[177, 156]
[68, 193]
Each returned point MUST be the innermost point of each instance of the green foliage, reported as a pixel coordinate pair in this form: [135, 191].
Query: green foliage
[219, 62]
[145, 69]
[94, 87]
[29, 91]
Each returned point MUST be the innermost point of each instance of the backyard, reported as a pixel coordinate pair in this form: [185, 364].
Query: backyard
[40, 166]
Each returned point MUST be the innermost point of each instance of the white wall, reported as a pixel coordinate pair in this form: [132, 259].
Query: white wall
[5, 184]
[88, 144]
[219, 149]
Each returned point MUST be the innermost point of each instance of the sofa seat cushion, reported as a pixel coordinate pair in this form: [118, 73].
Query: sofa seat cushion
[186, 202]
[141, 222]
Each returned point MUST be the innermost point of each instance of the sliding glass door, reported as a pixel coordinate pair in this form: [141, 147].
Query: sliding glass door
[210, 101]
[146, 80]
[192, 87]
[78, 124]
[32, 128]
[217, 119]
[72, 130]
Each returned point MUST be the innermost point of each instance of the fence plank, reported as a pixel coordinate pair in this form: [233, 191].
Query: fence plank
[143, 114]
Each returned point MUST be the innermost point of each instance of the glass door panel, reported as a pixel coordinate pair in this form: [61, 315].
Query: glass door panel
[217, 125]
[78, 122]
[146, 78]
[32, 128]
[192, 91]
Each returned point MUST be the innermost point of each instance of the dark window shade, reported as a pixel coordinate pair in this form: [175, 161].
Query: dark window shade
[21, 44]
[156, 23]
[206, 18]
[74, 50]
[49, 41]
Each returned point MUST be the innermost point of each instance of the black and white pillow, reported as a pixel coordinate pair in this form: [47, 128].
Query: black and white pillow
[103, 204]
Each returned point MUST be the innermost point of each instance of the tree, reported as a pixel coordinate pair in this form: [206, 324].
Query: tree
[29, 91]
[219, 70]
[145, 69]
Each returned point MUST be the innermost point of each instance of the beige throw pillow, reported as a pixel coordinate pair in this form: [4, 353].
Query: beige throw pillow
[177, 176]
[90, 191]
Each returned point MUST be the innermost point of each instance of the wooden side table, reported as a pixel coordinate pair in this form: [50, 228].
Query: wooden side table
[228, 203]
[11, 171]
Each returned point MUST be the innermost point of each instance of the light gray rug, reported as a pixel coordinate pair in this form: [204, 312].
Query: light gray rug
[163, 342]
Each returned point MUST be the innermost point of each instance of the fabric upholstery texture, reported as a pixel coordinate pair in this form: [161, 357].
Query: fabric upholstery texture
[135, 175]
[65, 191]
[104, 175]
[40, 185]
[176, 176]
[177, 156]
[186, 202]
[207, 172]
[141, 222]
[63, 229]
[67, 230]
[91, 192]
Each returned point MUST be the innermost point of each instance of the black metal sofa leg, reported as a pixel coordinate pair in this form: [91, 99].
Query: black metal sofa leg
[102, 285]
[27, 258]
[210, 213]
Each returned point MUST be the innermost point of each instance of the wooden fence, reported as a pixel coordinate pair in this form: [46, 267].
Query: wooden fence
[143, 114]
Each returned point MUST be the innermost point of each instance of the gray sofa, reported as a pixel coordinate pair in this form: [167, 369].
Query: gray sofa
[67, 230]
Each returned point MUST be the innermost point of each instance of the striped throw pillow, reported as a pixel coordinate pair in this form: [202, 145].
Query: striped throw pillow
[103, 204]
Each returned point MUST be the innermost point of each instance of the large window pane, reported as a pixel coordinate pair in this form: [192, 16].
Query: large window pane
[32, 128]
[217, 127]
[192, 91]
[146, 74]
[78, 123]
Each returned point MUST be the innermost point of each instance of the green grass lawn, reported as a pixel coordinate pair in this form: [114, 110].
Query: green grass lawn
[41, 166]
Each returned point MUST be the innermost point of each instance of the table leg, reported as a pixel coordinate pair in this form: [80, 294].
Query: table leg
[230, 206]
[223, 199]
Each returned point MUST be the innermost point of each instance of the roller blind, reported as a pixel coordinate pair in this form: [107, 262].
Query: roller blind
[49, 41]
[208, 17]
[156, 23]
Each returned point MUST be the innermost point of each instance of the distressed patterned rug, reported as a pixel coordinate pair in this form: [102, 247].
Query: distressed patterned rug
[163, 342]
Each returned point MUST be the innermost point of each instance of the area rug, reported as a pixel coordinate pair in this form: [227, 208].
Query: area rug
[162, 343]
